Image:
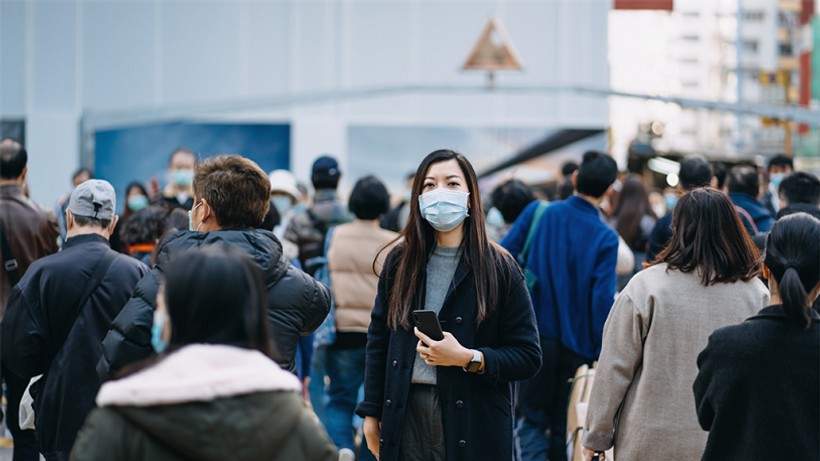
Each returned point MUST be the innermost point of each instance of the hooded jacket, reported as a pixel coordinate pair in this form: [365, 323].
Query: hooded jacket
[204, 402]
[297, 303]
[762, 220]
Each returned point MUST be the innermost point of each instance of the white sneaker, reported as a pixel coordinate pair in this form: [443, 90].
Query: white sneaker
[346, 454]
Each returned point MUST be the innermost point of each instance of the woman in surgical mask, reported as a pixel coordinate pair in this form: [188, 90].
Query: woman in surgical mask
[448, 398]
[136, 199]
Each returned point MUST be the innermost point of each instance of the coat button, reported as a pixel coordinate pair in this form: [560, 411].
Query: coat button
[381, 442]
[388, 403]
[462, 443]
[395, 363]
[460, 403]
[458, 320]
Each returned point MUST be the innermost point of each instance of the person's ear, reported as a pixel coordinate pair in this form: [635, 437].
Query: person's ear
[766, 272]
[574, 179]
[113, 224]
[207, 205]
[22, 178]
[69, 220]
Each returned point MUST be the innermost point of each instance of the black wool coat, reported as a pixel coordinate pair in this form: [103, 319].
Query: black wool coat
[477, 410]
[758, 390]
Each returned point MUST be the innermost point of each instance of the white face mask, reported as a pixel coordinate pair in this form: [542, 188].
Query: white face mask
[444, 209]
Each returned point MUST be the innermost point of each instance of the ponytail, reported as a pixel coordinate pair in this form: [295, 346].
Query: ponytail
[793, 257]
[794, 297]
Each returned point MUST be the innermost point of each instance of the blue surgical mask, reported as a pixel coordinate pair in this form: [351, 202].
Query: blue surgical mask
[157, 328]
[776, 179]
[183, 177]
[137, 202]
[495, 218]
[283, 203]
[444, 209]
[670, 200]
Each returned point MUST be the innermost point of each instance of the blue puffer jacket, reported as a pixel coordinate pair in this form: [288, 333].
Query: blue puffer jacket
[297, 303]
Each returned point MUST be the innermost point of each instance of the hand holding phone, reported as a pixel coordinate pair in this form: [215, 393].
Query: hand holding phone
[427, 322]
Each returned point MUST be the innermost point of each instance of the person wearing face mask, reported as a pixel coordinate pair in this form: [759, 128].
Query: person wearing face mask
[448, 399]
[213, 392]
[136, 199]
[59, 312]
[777, 169]
[284, 195]
[180, 191]
[232, 198]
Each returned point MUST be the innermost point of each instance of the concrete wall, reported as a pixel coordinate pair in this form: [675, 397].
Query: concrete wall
[62, 59]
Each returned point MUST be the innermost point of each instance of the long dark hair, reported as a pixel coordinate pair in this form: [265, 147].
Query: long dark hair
[127, 212]
[481, 255]
[215, 295]
[793, 257]
[708, 235]
[633, 205]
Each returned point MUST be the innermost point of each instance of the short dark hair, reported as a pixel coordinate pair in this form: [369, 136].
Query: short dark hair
[91, 221]
[709, 238]
[87, 171]
[793, 257]
[369, 198]
[780, 160]
[597, 172]
[800, 187]
[695, 172]
[510, 198]
[215, 295]
[720, 171]
[743, 179]
[236, 188]
[145, 226]
[180, 150]
[568, 168]
[13, 158]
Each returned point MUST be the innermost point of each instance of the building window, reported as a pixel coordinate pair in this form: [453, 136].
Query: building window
[690, 38]
[785, 49]
[754, 16]
[750, 46]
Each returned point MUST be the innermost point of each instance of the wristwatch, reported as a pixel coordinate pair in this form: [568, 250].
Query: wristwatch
[475, 363]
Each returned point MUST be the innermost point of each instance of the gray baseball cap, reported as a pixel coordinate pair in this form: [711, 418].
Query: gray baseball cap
[94, 198]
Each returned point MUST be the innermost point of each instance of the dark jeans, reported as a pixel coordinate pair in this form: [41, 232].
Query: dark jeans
[422, 438]
[316, 386]
[25, 443]
[542, 404]
[345, 367]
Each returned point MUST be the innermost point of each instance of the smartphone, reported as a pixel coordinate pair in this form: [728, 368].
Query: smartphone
[427, 323]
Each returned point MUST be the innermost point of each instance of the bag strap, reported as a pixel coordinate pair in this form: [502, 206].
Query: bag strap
[328, 236]
[9, 263]
[539, 211]
[93, 282]
[745, 214]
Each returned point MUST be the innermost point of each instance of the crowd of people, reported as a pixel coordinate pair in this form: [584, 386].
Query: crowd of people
[231, 315]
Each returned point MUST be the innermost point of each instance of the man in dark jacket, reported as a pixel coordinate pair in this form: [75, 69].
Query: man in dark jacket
[573, 254]
[308, 229]
[232, 196]
[59, 312]
[743, 186]
[29, 233]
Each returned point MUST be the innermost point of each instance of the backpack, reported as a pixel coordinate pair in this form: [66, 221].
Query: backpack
[326, 333]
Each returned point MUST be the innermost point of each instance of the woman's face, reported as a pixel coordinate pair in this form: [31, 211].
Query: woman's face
[446, 175]
[134, 191]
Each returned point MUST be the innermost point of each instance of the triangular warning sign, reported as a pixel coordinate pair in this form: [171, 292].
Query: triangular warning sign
[494, 49]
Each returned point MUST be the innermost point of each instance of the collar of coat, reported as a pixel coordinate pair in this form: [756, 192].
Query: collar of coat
[199, 373]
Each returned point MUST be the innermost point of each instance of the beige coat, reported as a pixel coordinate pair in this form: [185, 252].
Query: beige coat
[353, 248]
[652, 337]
